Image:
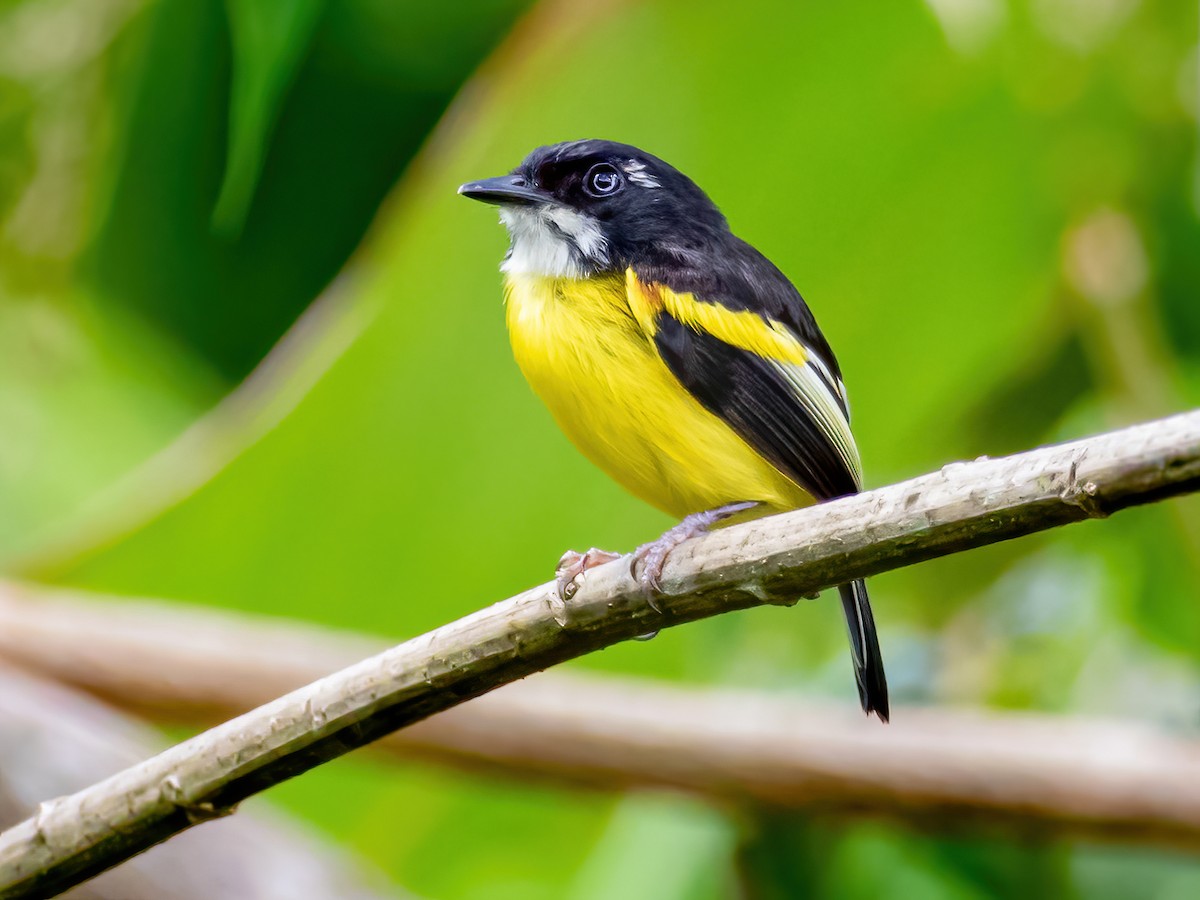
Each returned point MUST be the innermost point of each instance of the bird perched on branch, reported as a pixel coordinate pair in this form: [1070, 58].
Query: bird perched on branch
[673, 354]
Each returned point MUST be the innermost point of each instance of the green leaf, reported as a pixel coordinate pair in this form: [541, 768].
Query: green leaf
[375, 78]
[269, 39]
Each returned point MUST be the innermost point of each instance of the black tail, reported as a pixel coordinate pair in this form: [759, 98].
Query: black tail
[864, 645]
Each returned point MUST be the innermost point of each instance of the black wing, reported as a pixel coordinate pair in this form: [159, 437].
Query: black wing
[796, 416]
[759, 400]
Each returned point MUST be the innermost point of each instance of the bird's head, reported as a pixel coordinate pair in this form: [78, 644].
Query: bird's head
[587, 207]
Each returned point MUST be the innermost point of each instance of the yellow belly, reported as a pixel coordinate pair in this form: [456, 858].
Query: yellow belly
[585, 355]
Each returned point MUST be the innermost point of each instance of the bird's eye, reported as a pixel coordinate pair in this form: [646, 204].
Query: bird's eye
[602, 180]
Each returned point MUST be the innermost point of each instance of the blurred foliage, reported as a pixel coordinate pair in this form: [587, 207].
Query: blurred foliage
[991, 206]
[256, 146]
[117, 121]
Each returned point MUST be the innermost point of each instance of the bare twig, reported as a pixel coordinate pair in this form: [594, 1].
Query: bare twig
[964, 505]
[945, 768]
[54, 739]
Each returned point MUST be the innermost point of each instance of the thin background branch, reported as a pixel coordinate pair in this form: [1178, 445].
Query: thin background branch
[942, 768]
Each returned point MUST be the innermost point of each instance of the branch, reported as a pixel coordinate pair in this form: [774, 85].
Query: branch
[946, 769]
[55, 739]
[962, 506]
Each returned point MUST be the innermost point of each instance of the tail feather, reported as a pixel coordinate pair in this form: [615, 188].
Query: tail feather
[864, 645]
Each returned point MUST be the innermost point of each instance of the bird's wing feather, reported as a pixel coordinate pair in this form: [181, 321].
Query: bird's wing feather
[776, 390]
[776, 383]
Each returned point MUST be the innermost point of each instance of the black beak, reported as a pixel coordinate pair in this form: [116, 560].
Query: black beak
[507, 189]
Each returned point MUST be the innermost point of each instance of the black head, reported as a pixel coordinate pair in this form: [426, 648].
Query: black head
[583, 207]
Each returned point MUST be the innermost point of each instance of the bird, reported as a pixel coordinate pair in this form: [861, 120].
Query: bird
[674, 355]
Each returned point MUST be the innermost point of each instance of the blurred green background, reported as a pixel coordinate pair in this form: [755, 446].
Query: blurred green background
[990, 204]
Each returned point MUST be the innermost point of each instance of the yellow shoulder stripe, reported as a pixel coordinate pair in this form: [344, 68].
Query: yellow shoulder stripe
[742, 328]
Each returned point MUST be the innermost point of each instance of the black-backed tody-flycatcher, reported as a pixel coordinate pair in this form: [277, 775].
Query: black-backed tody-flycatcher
[673, 354]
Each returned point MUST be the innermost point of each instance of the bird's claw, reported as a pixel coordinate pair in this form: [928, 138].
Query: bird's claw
[647, 564]
[573, 564]
[650, 559]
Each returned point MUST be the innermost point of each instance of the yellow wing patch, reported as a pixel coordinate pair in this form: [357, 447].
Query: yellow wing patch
[743, 329]
[766, 339]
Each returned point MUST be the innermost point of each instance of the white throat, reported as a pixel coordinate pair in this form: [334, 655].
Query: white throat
[552, 241]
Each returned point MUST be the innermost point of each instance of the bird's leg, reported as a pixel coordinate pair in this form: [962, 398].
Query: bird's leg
[653, 556]
[574, 564]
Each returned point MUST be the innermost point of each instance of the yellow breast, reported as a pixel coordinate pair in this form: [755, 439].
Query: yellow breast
[585, 354]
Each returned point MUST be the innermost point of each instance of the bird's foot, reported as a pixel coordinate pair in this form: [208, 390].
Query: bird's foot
[573, 564]
[650, 558]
